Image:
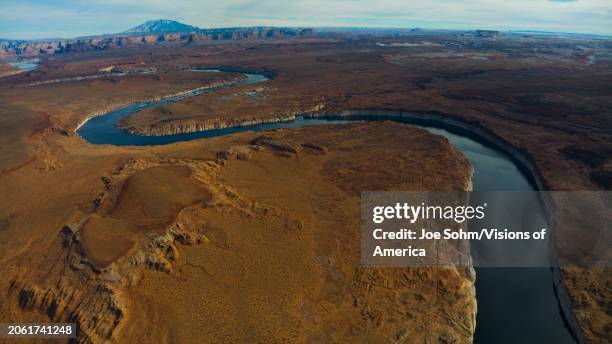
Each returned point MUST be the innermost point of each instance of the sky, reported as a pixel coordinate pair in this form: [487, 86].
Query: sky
[31, 19]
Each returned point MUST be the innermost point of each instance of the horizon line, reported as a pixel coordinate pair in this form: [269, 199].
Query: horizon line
[312, 27]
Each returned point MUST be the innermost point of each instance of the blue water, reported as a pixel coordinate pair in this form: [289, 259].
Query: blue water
[102, 130]
[515, 305]
[26, 65]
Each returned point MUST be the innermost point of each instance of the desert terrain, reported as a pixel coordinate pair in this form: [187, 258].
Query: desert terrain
[254, 237]
[217, 236]
[7, 69]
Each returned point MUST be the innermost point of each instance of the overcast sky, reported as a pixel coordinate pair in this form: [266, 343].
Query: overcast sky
[70, 18]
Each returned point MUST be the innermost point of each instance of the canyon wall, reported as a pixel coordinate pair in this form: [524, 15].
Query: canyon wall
[13, 48]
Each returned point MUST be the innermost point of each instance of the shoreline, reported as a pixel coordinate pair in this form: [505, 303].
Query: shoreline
[212, 86]
[444, 121]
[521, 160]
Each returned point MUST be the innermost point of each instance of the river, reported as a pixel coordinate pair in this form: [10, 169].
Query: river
[26, 65]
[515, 305]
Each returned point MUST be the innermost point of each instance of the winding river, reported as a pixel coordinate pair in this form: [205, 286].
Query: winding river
[515, 305]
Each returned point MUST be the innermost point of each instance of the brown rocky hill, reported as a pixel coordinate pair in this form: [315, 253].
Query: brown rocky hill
[13, 48]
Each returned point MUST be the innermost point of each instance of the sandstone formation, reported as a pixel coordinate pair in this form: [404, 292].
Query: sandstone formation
[228, 245]
[543, 98]
[13, 48]
[8, 69]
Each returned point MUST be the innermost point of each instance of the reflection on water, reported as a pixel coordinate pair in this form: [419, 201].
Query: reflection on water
[515, 305]
[26, 65]
[102, 130]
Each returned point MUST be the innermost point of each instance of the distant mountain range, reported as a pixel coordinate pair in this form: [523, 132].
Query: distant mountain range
[162, 25]
[154, 32]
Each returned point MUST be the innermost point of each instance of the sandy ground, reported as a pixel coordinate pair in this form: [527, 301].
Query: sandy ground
[78, 238]
[262, 242]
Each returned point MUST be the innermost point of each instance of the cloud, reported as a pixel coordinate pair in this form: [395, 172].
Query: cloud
[23, 18]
